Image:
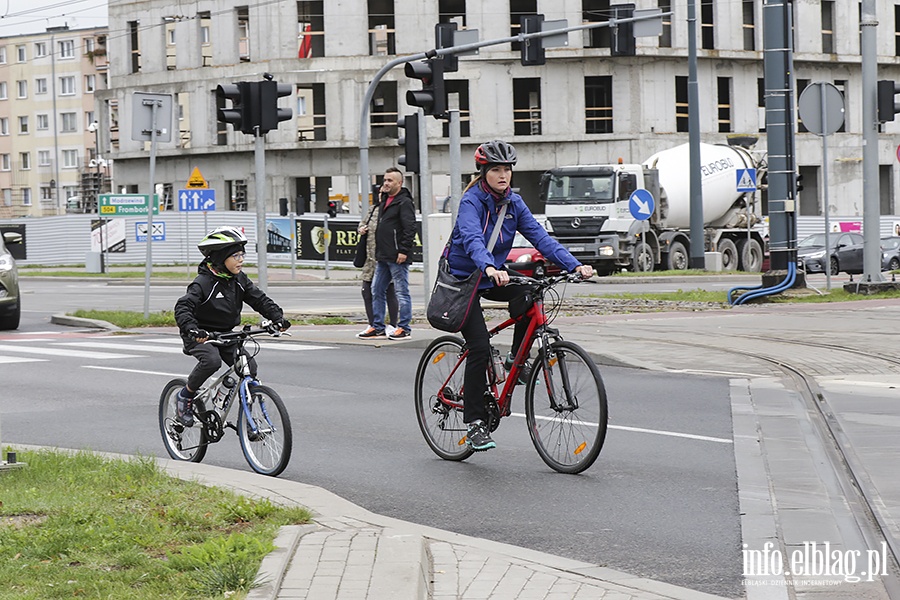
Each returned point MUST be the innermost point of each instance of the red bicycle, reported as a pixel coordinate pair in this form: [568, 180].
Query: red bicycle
[565, 400]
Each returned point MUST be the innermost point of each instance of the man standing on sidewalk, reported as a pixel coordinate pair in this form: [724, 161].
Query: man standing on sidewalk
[393, 252]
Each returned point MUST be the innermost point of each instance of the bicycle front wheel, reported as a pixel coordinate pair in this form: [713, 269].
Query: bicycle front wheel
[439, 397]
[565, 407]
[182, 443]
[267, 444]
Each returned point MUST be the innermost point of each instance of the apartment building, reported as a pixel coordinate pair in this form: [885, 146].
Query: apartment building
[582, 106]
[47, 86]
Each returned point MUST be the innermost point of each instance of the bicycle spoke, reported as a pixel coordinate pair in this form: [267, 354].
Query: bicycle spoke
[439, 399]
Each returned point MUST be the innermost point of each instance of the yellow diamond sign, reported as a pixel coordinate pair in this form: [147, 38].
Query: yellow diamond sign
[196, 180]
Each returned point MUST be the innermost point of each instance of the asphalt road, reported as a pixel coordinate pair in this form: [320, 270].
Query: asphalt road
[654, 505]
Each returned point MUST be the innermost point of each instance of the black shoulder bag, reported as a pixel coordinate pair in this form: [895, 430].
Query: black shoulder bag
[452, 298]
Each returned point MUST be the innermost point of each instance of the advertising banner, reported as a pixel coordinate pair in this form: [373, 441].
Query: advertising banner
[342, 247]
[107, 235]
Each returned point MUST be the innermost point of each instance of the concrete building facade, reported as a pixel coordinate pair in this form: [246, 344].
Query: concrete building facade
[47, 87]
[583, 106]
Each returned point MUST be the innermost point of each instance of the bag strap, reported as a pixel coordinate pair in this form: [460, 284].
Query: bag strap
[496, 232]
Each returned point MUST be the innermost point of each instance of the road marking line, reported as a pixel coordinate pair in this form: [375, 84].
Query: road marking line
[139, 371]
[289, 346]
[19, 359]
[690, 436]
[121, 346]
[66, 352]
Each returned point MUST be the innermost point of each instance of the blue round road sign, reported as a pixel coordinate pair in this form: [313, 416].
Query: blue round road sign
[641, 204]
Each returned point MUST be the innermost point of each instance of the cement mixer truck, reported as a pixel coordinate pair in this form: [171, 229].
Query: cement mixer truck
[589, 210]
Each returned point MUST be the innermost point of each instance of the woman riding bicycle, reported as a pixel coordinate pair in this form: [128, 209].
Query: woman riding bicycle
[479, 208]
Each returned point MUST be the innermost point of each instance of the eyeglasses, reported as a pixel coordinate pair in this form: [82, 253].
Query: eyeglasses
[238, 255]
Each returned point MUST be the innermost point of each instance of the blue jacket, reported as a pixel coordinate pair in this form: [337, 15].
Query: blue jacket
[478, 210]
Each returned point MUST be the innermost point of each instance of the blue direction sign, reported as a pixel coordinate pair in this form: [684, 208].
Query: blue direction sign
[641, 204]
[159, 231]
[746, 180]
[196, 200]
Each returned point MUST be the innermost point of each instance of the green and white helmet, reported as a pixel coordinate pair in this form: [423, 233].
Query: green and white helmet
[221, 238]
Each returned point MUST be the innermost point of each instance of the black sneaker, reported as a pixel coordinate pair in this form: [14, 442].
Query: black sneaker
[400, 334]
[184, 410]
[477, 437]
[370, 333]
[524, 370]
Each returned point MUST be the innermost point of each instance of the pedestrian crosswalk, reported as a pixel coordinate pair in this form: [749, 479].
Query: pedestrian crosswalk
[100, 347]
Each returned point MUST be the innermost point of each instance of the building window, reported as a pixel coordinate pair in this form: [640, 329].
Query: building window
[22, 89]
[70, 158]
[3, 92]
[169, 23]
[723, 93]
[452, 11]
[801, 85]
[749, 25]
[4, 125]
[67, 49]
[517, 10]
[40, 86]
[461, 88]
[134, 46]
[384, 114]
[69, 122]
[25, 160]
[2, 55]
[40, 49]
[598, 111]
[761, 102]
[841, 85]
[26, 196]
[896, 32]
[707, 30]
[381, 28]
[67, 86]
[681, 103]
[23, 124]
[43, 158]
[43, 122]
[311, 112]
[594, 11]
[527, 106]
[88, 118]
[828, 26]
[88, 43]
[665, 39]
[90, 82]
[4, 162]
[46, 193]
[21, 55]
[310, 28]
[243, 20]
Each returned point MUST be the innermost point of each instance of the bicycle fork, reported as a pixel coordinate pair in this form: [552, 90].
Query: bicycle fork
[553, 358]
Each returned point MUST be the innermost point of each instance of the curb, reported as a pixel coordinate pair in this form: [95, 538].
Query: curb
[275, 564]
[71, 321]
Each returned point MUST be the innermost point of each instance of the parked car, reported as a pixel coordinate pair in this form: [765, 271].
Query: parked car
[10, 299]
[846, 253]
[525, 258]
[890, 253]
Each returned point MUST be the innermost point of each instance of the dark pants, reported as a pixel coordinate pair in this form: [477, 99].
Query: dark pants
[209, 360]
[479, 343]
[392, 305]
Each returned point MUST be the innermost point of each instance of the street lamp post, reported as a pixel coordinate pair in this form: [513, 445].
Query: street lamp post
[97, 163]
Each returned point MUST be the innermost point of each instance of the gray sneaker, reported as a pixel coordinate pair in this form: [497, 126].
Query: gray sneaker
[478, 438]
[184, 409]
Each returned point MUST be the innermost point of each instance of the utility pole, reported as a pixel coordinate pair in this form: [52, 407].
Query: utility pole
[871, 200]
[698, 248]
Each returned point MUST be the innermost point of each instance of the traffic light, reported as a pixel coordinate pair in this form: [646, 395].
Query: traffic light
[409, 141]
[443, 38]
[283, 207]
[622, 36]
[270, 114]
[798, 183]
[239, 113]
[433, 96]
[332, 208]
[533, 49]
[887, 105]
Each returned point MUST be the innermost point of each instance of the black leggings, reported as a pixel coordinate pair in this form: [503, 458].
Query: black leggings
[209, 359]
[392, 306]
[479, 343]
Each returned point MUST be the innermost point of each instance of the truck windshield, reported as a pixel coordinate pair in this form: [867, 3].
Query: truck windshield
[580, 189]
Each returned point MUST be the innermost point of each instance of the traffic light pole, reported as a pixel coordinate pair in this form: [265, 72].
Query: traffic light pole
[455, 166]
[871, 200]
[262, 235]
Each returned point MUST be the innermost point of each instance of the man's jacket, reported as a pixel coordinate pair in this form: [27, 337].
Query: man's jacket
[396, 228]
[478, 211]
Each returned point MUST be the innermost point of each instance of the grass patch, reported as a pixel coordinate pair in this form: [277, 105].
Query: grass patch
[697, 295]
[86, 526]
[686, 273]
[837, 294]
[166, 318]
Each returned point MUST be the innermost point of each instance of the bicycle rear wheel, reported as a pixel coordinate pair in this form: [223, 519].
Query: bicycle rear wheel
[565, 407]
[439, 377]
[182, 443]
[268, 449]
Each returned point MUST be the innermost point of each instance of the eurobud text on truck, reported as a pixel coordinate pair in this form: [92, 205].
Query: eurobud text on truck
[587, 210]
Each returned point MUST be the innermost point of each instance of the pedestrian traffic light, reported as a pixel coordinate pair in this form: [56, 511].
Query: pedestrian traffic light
[409, 141]
[283, 207]
[270, 114]
[332, 208]
[432, 98]
[237, 115]
[532, 49]
[622, 36]
[887, 105]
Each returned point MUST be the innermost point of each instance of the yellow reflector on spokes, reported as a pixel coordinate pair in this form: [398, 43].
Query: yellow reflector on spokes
[553, 361]
[462, 441]
[438, 357]
[580, 448]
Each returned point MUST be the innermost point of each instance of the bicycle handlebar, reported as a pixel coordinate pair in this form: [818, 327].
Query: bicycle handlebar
[547, 281]
[230, 336]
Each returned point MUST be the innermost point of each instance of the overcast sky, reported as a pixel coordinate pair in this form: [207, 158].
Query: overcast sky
[19, 17]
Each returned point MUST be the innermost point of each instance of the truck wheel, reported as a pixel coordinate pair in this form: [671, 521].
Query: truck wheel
[751, 255]
[642, 259]
[730, 257]
[677, 257]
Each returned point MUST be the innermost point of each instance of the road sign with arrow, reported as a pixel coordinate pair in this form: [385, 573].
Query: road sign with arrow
[197, 200]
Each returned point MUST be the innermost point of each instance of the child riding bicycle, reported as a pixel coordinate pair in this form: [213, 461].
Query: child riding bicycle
[213, 303]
